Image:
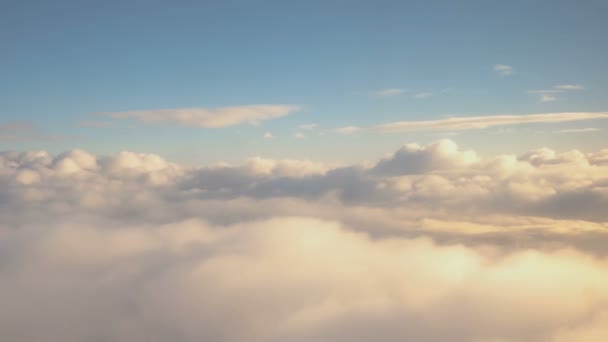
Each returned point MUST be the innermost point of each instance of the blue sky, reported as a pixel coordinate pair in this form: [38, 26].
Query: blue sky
[342, 63]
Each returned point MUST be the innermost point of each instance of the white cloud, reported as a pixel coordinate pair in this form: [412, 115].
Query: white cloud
[299, 136]
[569, 87]
[480, 122]
[308, 126]
[268, 135]
[503, 69]
[209, 118]
[389, 92]
[577, 130]
[424, 95]
[132, 247]
[550, 95]
[348, 129]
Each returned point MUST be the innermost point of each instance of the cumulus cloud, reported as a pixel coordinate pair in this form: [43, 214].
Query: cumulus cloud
[209, 118]
[132, 247]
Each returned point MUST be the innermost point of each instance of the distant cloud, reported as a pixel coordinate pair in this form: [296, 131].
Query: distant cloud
[480, 122]
[268, 135]
[550, 95]
[424, 95]
[503, 69]
[308, 126]
[577, 130]
[94, 123]
[299, 136]
[388, 92]
[348, 130]
[209, 118]
[22, 131]
[569, 87]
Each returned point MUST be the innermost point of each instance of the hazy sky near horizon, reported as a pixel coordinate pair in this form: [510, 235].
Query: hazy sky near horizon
[192, 68]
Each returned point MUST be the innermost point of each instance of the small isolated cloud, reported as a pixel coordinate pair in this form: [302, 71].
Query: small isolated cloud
[503, 69]
[268, 135]
[299, 136]
[94, 123]
[424, 95]
[577, 130]
[348, 130]
[308, 126]
[569, 87]
[550, 95]
[209, 117]
[389, 92]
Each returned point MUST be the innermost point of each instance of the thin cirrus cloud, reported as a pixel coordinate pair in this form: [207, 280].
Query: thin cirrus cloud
[503, 69]
[388, 92]
[22, 131]
[209, 117]
[578, 130]
[475, 122]
[550, 95]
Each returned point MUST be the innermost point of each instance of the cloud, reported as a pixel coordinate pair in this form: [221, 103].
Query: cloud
[550, 95]
[503, 69]
[268, 135]
[209, 118]
[22, 131]
[577, 130]
[132, 247]
[425, 95]
[389, 92]
[569, 87]
[348, 129]
[308, 126]
[481, 122]
[299, 136]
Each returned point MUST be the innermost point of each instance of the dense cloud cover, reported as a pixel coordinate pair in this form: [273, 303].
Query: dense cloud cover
[431, 243]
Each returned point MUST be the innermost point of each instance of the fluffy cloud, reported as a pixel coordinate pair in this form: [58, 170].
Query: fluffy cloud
[132, 247]
[209, 118]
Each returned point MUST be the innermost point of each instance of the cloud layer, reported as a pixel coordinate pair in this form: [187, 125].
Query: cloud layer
[131, 247]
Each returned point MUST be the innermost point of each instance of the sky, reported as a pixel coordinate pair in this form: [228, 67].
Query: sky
[338, 63]
[310, 171]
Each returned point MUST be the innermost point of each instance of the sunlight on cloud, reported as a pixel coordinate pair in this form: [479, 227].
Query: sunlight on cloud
[209, 118]
[134, 247]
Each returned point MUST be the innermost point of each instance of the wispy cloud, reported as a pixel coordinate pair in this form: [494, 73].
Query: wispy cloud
[569, 87]
[423, 95]
[475, 122]
[550, 95]
[504, 69]
[209, 117]
[22, 131]
[348, 130]
[308, 126]
[268, 135]
[577, 130]
[388, 92]
[299, 136]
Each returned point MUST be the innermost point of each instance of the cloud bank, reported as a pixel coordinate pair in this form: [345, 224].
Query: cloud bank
[132, 247]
